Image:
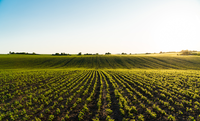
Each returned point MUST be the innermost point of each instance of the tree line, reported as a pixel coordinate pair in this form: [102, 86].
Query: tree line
[25, 53]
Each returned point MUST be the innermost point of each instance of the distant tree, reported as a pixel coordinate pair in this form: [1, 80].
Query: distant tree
[123, 53]
[11, 52]
[20, 53]
[63, 54]
[107, 53]
[186, 52]
[79, 53]
[97, 53]
[56, 53]
[161, 52]
[88, 54]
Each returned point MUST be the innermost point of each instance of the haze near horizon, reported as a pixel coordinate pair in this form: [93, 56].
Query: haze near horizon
[50, 26]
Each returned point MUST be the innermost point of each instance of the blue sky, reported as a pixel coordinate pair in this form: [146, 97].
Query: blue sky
[99, 26]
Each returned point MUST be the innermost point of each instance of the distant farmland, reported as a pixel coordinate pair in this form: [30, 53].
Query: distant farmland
[99, 62]
[98, 87]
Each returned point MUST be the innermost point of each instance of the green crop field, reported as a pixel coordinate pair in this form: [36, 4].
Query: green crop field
[99, 62]
[99, 87]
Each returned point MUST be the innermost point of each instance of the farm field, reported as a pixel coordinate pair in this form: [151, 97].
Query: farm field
[100, 62]
[141, 88]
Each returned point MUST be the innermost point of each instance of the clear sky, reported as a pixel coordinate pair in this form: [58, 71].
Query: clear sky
[99, 26]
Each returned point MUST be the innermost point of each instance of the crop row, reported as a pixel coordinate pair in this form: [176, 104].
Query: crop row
[110, 95]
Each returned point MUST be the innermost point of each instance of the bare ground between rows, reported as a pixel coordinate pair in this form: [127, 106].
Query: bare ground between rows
[104, 102]
[114, 105]
[63, 102]
[138, 107]
[25, 107]
[181, 117]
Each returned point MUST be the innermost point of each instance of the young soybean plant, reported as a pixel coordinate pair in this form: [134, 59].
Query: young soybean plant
[152, 114]
[80, 115]
[171, 118]
[140, 117]
[57, 111]
[51, 117]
